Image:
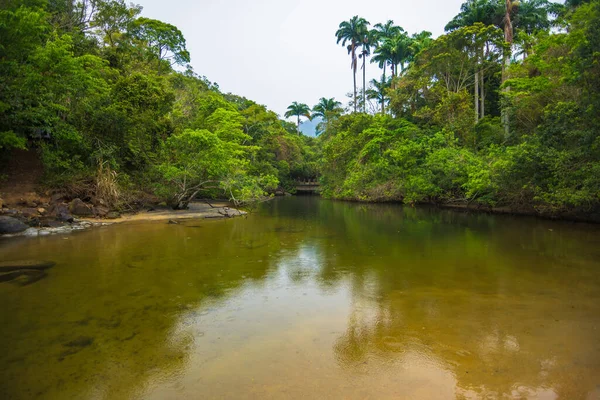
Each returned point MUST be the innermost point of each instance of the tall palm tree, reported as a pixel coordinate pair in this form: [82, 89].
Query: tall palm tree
[368, 40]
[419, 41]
[382, 55]
[326, 109]
[377, 92]
[533, 17]
[353, 32]
[387, 30]
[472, 12]
[401, 51]
[382, 34]
[510, 8]
[298, 110]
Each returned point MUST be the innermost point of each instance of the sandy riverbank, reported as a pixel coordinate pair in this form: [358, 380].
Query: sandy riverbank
[196, 210]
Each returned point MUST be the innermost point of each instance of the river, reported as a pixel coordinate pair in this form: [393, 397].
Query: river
[308, 298]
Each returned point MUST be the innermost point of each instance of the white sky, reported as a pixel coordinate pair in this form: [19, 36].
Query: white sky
[278, 51]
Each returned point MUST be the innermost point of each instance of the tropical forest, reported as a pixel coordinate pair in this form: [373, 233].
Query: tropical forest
[431, 235]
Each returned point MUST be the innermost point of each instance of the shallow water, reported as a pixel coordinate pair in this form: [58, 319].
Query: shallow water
[309, 298]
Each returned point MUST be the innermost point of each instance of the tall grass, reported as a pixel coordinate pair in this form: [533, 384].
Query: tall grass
[107, 185]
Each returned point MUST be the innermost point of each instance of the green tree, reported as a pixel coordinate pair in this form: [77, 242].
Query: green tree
[298, 110]
[383, 52]
[164, 41]
[533, 16]
[194, 161]
[377, 92]
[326, 109]
[354, 33]
[473, 11]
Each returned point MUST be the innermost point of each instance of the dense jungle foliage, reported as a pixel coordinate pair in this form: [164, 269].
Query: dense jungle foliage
[501, 111]
[91, 86]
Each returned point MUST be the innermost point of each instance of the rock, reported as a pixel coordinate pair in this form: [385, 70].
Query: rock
[28, 276]
[9, 211]
[29, 212]
[9, 276]
[78, 207]
[34, 222]
[7, 266]
[101, 211]
[22, 277]
[113, 215]
[10, 225]
[173, 222]
[62, 213]
[31, 232]
[98, 202]
[51, 223]
[41, 210]
[82, 341]
[31, 204]
[56, 198]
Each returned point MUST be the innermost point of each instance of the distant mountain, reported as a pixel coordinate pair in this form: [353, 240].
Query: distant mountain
[309, 128]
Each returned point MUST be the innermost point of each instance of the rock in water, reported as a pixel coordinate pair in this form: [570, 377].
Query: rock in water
[7, 266]
[31, 232]
[9, 225]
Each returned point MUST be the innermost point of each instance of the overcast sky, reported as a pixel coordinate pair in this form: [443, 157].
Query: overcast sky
[278, 51]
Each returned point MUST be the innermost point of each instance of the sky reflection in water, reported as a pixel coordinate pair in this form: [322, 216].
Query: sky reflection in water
[309, 299]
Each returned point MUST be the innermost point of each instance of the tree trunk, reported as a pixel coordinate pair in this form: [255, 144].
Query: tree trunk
[384, 82]
[482, 86]
[354, 73]
[364, 82]
[298, 125]
[508, 38]
[476, 97]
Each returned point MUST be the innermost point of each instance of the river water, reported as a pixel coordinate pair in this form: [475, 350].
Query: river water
[308, 298]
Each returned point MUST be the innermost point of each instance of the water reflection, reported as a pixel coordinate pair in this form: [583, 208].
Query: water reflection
[309, 298]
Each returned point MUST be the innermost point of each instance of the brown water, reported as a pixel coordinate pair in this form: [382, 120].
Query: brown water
[309, 299]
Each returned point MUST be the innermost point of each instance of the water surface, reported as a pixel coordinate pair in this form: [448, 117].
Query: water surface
[309, 298]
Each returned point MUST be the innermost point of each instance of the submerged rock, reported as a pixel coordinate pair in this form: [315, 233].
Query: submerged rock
[82, 341]
[10, 225]
[31, 232]
[6, 266]
[23, 277]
